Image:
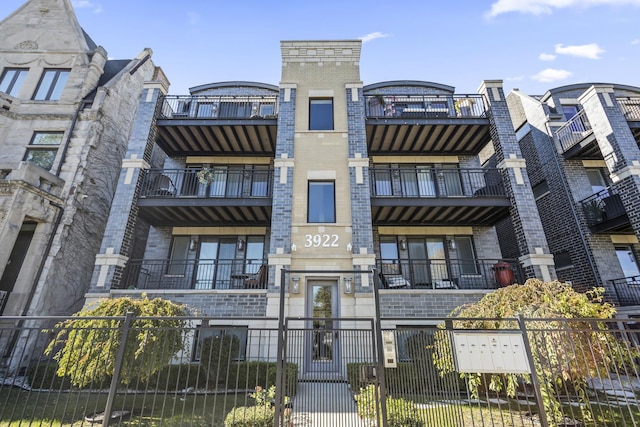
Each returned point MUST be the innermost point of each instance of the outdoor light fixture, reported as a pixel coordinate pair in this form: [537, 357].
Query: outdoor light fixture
[452, 244]
[295, 285]
[240, 244]
[403, 244]
[348, 288]
[193, 245]
[349, 247]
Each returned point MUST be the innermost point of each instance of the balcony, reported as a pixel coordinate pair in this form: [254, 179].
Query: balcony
[576, 138]
[627, 290]
[424, 195]
[213, 125]
[217, 196]
[631, 110]
[448, 274]
[604, 212]
[438, 124]
[195, 274]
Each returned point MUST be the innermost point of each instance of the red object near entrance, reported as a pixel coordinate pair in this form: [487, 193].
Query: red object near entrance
[504, 273]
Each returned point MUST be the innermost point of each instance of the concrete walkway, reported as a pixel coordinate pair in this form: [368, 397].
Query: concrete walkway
[325, 404]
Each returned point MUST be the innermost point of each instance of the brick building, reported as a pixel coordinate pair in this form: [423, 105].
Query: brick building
[66, 112]
[581, 147]
[324, 186]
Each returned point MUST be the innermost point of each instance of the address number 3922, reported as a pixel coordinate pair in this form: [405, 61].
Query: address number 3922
[321, 240]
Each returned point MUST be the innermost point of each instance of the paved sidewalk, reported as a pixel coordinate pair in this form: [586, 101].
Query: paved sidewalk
[325, 404]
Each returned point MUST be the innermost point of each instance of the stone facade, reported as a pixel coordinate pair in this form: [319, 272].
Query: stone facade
[56, 198]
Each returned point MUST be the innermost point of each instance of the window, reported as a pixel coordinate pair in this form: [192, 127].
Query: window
[596, 179]
[321, 114]
[569, 111]
[389, 255]
[321, 206]
[628, 262]
[414, 343]
[254, 254]
[11, 80]
[51, 85]
[236, 336]
[562, 260]
[540, 189]
[466, 255]
[43, 148]
[178, 256]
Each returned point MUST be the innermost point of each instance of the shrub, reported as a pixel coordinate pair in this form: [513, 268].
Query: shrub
[250, 416]
[250, 374]
[216, 355]
[86, 345]
[400, 412]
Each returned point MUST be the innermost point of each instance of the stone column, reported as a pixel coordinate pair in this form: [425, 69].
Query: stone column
[531, 240]
[119, 233]
[618, 146]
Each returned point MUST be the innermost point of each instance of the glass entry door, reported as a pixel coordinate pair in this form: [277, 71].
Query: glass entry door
[322, 336]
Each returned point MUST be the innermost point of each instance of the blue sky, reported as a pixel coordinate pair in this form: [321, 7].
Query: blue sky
[533, 45]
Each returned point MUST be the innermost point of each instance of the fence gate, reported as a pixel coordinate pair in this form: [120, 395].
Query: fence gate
[327, 361]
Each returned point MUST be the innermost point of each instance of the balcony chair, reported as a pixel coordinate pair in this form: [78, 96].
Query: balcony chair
[257, 280]
[394, 281]
[163, 186]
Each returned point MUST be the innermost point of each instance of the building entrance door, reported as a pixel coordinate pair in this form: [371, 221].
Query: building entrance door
[322, 349]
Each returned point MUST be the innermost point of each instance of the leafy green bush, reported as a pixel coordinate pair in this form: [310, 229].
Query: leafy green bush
[217, 355]
[43, 376]
[86, 345]
[250, 416]
[417, 377]
[250, 374]
[400, 412]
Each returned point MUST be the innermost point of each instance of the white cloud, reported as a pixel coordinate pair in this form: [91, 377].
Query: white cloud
[635, 41]
[591, 51]
[373, 36]
[551, 75]
[546, 7]
[97, 8]
[546, 57]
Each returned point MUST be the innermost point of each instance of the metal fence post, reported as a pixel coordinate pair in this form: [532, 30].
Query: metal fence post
[126, 328]
[280, 362]
[382, 385]
[535, 382]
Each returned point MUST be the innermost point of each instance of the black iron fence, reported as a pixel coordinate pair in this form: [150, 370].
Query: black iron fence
[574, 131]
[602, 206]
[195, 274]
[427, 181]
[213, 182]
[180, 107]
[407, 274]
[630, 108]
[627, 290]
[229, 372]
[425, 106]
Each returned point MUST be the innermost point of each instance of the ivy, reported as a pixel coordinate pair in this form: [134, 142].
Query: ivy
[85, 346]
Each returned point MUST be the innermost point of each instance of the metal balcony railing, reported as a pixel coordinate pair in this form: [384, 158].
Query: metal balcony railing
[182, 107]
[214, 182]
[199, 274]
[630, 108]
[435, 182]
[425, 106]
[602, 206]
[448, 273]
[4, 296]
[627, 290]
[574, 131]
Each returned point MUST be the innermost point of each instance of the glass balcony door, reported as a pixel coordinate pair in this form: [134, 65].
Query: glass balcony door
[215, 263]
[428, 260]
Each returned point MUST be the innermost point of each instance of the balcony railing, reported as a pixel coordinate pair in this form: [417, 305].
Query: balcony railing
[425, 106]
[448, 274]
[603, 206]
[4, 296]
[630, 108]
[435, 182]
[198, 274]
[627, 290]
[219, 107]
[574, 131]
[211, 182]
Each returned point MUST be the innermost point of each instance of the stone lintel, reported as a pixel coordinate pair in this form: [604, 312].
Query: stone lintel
[111, 259]
[536, 259]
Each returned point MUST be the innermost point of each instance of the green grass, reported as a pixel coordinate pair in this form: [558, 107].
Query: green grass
[21, 408]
